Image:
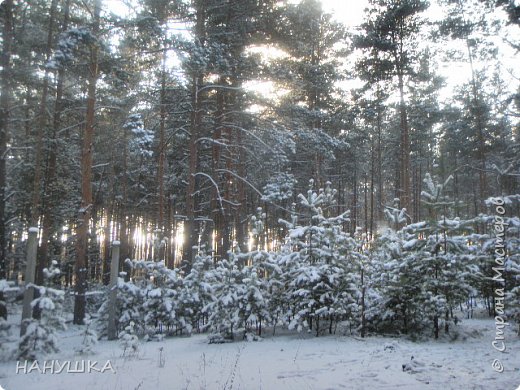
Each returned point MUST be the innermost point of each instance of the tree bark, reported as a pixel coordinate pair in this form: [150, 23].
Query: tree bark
[5, 97]
[38, 159]
[216, 207]
[86, 180]
[190, 228]
[404, 184]
[42, 124]
[50, 171]
[481, 153]
[161, 160]
[161, 147]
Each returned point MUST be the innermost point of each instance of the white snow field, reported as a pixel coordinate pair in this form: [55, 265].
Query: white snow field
[290, 361]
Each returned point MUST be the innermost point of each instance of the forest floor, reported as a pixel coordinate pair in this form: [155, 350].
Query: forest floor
[285, 361]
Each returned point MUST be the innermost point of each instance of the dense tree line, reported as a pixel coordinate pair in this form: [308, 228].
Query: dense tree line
[148, 129]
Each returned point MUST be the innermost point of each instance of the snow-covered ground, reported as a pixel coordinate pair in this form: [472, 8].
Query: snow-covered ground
[290, 361]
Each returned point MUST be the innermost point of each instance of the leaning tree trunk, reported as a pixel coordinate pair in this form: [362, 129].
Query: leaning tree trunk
[86, 181]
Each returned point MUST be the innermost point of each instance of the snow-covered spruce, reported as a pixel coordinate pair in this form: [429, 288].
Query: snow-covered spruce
[41, 335]
[319, 268]
[129, 340]
[425, 268]
[90, 339]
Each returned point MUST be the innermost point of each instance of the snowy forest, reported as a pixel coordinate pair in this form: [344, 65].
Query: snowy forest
[237, 171]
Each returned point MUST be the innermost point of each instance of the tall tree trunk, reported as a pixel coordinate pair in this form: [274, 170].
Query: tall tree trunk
[404, 150]
[217, 208]
[190, 227]
[481, 153]
[404, 160]
[5, 97]
[363, 309]
[161, 157]
[38, 159]
[86, 180]
[161, 147]
[365, 205]
[372, 182]
[105, 269]
[50, 171]
[241, 213]
[226, 216]
[42, 124]
[354, 218]
[379, 161]
[123, 204]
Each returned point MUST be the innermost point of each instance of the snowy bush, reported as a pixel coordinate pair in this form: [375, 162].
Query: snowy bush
[319, 269]
[426, 269]
[40, 336]
[156, 300]
[196, 292]
[4, 334]
[396, 308]
[254, 302]
[129, 340]
[224, 310]
[90, 338]
[3, 304]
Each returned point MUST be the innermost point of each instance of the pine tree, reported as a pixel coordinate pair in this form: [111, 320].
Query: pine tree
[129, 340]
[395, 307]
[319, 269]
[85, 210]
[90, 338]
[309, 72]
[254, 306]
[195, 294]
[41, 336]
[224, 316]
[440, 256]
[7, 9]
[389, 42]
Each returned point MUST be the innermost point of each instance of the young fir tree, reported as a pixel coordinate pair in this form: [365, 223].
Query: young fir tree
[319, 271]
[240, 301]
[224, 316]
[90, 338]
[254, 302]
[40, 336]
[503, 265]
[129, 340]
[395, 307]
[196, 292]
[130, 298]
[512, 269]
[438, 256]
[159, 289]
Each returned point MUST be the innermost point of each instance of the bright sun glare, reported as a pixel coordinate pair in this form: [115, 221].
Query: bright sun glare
[351, 14]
